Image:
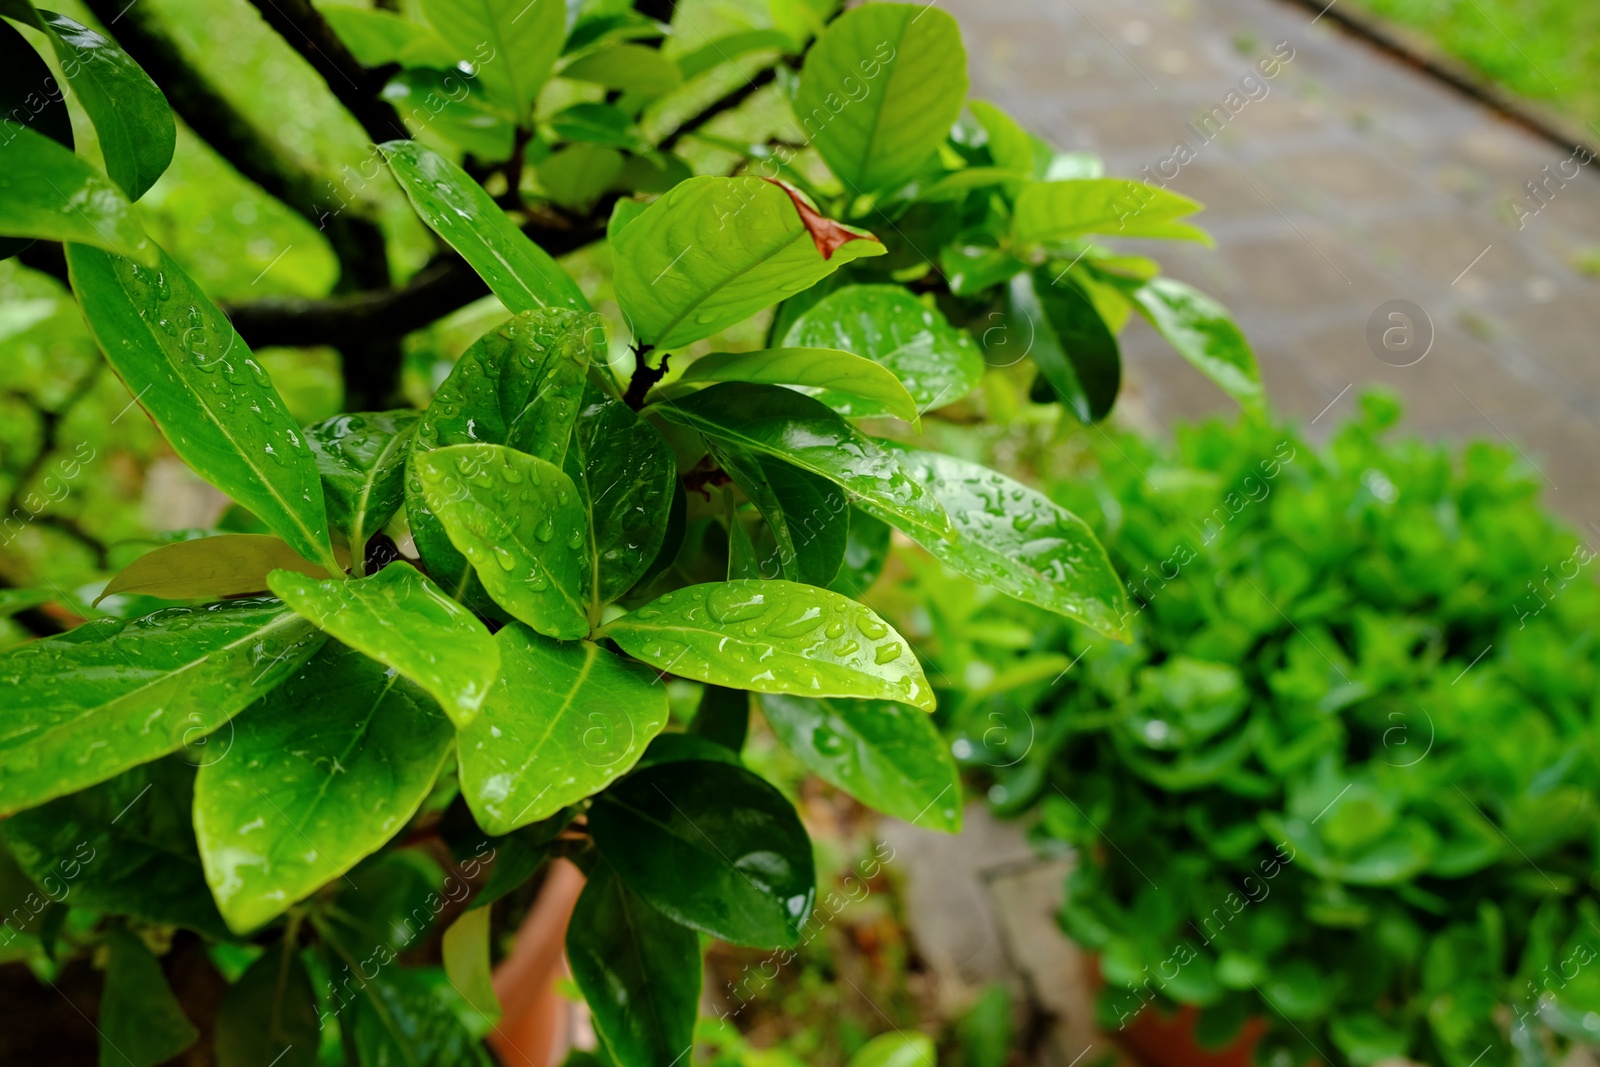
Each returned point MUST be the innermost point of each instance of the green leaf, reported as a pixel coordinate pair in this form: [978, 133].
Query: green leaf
[625, 472]
[388, 904]
[456, 208]
[1017, 540]
[797, 429]
[362, 460]
[633, 68]
[713, 251]
[268, 1018]
[402, 1018]
[774, 637]
[113, 694]
[562, 722]
[727, 49]
[378, 38]
[895, 1050]
[465, 950]
[602, 124]
[209, 568]
[452, 105]
[301, 798]
[520, 522]
[847, 382]
[723, 717]
[22, 73]
[1205, 334]
[135, 126]
[879, 92]
[711, 846]
[124, 847]
[888, 756]
[938, 363]
[807, 516]
[141, 1023]
[48, 191]
[512, 45]
[179, 356]
[579, 174]
[638, 970]
[1069, 342]
[518, 385]
[1010, 146]
[1116, 207]
[404, 621]
[866, 550]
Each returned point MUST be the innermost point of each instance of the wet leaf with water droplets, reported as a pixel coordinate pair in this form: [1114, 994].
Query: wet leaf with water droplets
[890, 757]
[404, 621]
[561, 723]
[48, 191]
[362, 462]
[774, 637]
[1017, 540]
[515, 518]
[179, 356]
[322, 772]
[113, 694]
[841, 378]
[712, 846]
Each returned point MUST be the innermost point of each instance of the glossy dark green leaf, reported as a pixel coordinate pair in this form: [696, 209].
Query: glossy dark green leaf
[638, 970]
[455, 207]
[633, 68]
[124, 847]
[562, 722]
[362, 460]
[135, 127]
[465, 953]
[713, 251]
[301, 798]
[866, 550]
[520, 522]
[520, 385]
[742, 560]
[880, 90]
[723, 717]
[388, 904]
[849, 383]
[512, 44]
[403, 1019]
[141, 1023]
[47, 191]
[808, 516]
[625, 472]
[454, 106]
[180, 357]
[209, 568]
[268, 1018]
[781, 423]
[113, 694]
[1116, 207]
[1205, 334]
[711, 846]
[774, 637]
[1068, 341]
[938, 363]
[888, 756]
[401, 619]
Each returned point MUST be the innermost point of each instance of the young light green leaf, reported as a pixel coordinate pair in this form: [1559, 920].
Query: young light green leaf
[898, 1049]
[890, 757]
[938, 363]
[624, 470]
[638, 970]
[131, 118]
[845, 381]
[302, 797]
[362, 461]
[1017, 540]
[48, 191]
[141, 1022]
[377, 38]
[456, 208]
[1010, 146]
[711, 846]
[1116, 207]
[182, 360]
[268, 1018]
[879, 92]
[404, 621]
[714, 251]
[465, 950]
[511, 44]
[633, 68]
[797, 429]
[519, 385]
[113, 694]
[520, 522]
[774, 637]
[209, 568]
[727, 49]
[579, 174]
[807, 516]
[1205, 334]
[1070, 343]
[561, 723]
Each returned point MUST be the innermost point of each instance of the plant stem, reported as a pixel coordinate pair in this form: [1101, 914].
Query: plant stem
[644, 377]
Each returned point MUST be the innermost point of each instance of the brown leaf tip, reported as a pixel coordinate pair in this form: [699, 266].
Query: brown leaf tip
[829, 235]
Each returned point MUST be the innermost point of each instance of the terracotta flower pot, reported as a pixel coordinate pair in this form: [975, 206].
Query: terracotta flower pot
[536, 1023]
[1169, 1040]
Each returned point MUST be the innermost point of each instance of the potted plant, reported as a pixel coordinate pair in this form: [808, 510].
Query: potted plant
[1338, 794]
